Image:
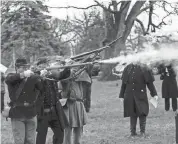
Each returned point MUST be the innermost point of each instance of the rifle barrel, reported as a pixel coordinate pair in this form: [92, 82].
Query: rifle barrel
[94, 51]
[69, 66]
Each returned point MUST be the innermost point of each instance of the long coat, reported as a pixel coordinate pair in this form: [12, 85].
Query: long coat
[74, 108]
[169, 84]
[133, 89]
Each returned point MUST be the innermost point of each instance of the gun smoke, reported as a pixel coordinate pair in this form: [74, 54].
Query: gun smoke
[166, 54]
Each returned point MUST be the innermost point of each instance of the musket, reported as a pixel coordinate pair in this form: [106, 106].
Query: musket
[67, 66]
[95, 51]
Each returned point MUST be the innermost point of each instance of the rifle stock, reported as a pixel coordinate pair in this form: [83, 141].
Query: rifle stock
[95, 51]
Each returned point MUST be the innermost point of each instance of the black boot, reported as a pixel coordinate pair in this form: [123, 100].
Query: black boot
[174, 104]
[142, 120]
[133, 123]
[167, 104]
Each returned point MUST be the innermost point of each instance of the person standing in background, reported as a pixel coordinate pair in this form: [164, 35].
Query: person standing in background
[135, 78]
[2, 91]
[169, 86]
[86, 78]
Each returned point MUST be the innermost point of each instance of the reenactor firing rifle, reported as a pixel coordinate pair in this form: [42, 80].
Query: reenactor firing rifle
[85, 59]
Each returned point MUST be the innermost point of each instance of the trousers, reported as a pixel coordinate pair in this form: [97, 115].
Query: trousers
[24, 130]
[174, 104]
[49, 120]
[133, 123]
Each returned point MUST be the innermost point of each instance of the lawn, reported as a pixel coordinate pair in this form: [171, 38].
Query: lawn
[106, 124]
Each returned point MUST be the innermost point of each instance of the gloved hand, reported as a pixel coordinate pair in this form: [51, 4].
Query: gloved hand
[28, 73]
[156, 97]
[43, 72]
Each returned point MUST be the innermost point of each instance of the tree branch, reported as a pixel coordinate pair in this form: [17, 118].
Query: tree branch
[147, 7]
[142, 26]
[75, 7]
[150, 23]
[71, 39]
[102, 6]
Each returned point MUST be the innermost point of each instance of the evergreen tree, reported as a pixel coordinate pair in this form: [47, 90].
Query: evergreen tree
[25, 29]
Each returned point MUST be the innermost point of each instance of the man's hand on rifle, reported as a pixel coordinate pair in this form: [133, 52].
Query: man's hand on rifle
[28, 73]
[43, 73]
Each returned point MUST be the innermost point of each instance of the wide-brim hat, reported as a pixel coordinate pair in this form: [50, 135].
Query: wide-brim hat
[21, 62]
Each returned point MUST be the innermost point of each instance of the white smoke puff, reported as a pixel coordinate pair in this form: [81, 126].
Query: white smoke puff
[165, 54]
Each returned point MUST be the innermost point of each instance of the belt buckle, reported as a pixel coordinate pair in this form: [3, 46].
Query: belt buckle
[47, 110]
[26, 104]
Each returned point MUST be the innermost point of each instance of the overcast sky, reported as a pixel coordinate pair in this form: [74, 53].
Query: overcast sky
[62, 13]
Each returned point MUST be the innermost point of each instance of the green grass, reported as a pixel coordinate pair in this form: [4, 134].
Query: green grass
[106, 124]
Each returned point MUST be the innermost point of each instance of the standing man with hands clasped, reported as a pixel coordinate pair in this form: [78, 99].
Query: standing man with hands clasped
[24, 88]
[135, 78]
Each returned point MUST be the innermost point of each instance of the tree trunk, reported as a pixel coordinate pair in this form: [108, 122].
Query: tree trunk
[118, 24]
[110, 35]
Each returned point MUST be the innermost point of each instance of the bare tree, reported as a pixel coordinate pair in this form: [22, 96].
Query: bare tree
[89, 29]
[120, 17]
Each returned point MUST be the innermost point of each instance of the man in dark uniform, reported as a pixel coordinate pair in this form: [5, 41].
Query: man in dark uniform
[51, 114]
[24, 88]
[2, 91]
[169, 86]
[135, 78]
[85, 77]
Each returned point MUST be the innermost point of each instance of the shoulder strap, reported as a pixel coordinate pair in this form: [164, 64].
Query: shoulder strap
[19, 90]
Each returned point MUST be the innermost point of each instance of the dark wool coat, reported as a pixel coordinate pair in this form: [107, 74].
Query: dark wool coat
[133, 89]
[51, 96]
[29, 94]
[169, 84]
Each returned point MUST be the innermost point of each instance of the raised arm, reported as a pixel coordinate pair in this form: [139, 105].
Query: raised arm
[60, 75]
[13, 78]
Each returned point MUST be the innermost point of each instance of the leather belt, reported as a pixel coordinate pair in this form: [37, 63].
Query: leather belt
[73, 100]
[25, 104]
[80, 100]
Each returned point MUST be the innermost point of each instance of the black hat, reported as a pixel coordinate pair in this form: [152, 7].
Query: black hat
[21, 62]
